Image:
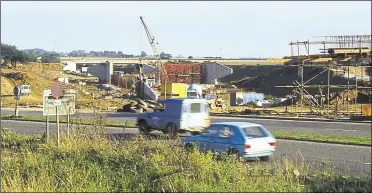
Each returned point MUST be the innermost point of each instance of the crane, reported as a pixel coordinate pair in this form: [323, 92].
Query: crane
[158, 63]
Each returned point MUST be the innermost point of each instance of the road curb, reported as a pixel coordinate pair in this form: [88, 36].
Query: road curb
[325, 142]
[39, 121]
[288, 118]
[285, 138]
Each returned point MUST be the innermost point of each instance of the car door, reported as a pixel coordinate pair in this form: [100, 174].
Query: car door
[207, 138]
[224, 139]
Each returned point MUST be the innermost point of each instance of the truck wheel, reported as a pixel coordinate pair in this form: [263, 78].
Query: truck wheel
[143, 127]
[172, 130]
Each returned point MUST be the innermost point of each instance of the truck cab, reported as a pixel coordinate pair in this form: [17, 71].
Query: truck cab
[194, 91]
[176, 116]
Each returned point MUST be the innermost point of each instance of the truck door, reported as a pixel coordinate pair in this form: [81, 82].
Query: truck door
[196, 112]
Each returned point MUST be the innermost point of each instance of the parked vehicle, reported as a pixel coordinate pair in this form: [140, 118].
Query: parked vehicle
[194, 91]
[176, 116]
[243, 139]
[25, 90]
[174, 90]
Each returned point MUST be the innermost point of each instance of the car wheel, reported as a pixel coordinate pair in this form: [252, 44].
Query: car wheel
[143, 127]
[233, 152]
[172, 130]
[265, 158]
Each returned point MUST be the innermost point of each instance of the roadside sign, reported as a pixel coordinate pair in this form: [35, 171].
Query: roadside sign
[66, 104]
[57, 103]
[57, 90]
[17, 97]
[17, 91]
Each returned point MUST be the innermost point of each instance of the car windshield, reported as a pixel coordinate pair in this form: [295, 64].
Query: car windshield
[255, 132]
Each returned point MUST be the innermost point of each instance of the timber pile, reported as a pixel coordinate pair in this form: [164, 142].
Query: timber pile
[139, 106]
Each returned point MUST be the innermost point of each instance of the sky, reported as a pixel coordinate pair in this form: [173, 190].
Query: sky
[188, 28]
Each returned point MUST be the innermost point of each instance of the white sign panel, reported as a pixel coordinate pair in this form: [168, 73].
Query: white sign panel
[66, 105]
[57, 103]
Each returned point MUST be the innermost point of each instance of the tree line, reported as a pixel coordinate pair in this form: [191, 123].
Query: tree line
[112, 54]
[10, 55]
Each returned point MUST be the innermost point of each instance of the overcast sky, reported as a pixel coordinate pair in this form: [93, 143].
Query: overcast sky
[221, 28]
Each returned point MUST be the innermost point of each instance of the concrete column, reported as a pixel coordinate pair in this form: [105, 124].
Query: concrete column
[109, 70]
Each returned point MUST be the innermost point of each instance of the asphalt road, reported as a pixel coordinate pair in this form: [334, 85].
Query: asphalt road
[344, 158]
[308, 127]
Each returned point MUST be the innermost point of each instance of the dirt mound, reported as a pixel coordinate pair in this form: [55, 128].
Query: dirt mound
[240, 72]
[265, 78]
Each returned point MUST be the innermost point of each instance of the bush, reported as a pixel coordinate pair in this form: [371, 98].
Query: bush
[88, 161]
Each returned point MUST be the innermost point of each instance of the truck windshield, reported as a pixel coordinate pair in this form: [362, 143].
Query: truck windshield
[192, 94]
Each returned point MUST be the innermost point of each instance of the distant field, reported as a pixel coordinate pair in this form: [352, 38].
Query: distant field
[222, 61]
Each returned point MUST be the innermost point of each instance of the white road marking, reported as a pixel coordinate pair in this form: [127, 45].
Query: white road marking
[284, 120]
[322, 144]
[342, 130]
[367, 163]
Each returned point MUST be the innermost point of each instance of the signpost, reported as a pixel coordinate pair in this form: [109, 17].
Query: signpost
[57, 92]
[56, 102]
[17, 93]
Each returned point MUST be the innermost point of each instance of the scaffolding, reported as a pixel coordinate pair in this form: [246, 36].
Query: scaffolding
[346, 45]
[334, 42]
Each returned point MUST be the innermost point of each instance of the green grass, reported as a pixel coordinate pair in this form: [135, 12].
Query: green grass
[92, 163]
[339, 139]
[286, 135]
[64, 120]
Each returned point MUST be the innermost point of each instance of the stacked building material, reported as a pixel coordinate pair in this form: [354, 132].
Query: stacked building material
[124, 81]
[183, 73]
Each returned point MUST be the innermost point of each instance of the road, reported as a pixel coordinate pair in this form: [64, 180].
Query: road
[345, 158]
[308, 127]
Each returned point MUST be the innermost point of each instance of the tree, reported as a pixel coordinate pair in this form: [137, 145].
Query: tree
[143, 54]
[120, 54]
[50, 57]
[190, 57]
[11, 54]
[165, 56]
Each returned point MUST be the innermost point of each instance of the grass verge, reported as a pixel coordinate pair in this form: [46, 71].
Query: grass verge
[92, 163]
[64, 120]
[279, 135]
[323, 138]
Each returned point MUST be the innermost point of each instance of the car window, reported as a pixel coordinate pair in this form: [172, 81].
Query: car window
[225, 132]
[195, 108]
[211, 131]
[254, 132]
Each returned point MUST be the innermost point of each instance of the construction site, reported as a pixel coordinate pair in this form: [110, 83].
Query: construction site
[333, 82]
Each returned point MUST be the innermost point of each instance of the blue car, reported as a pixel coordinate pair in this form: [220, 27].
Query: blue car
[246, 140]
